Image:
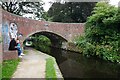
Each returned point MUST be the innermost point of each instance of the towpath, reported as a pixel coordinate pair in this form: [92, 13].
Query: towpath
[32, 65]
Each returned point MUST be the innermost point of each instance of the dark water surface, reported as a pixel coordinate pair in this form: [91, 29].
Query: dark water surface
[75, 65]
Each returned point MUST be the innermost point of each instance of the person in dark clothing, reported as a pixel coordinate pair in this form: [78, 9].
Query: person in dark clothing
[12, 44]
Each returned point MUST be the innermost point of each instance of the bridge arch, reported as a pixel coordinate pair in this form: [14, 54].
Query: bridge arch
[27, 27]
[57, 40]
[45, 31]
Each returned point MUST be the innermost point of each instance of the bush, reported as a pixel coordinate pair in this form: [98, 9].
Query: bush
[102, 32]
[41, 42]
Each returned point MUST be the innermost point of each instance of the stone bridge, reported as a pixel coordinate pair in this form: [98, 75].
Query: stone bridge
[14, 26]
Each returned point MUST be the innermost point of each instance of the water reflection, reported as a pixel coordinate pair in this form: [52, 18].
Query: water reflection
[74, 65]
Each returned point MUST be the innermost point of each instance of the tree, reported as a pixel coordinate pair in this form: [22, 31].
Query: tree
[102, 33]
[11, 6]
[70, 11]
[33, 8]
[22, 8]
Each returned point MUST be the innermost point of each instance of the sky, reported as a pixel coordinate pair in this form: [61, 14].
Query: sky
[114, 2]
[47, 4]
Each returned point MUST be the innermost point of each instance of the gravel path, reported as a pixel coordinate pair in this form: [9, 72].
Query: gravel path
[32, 65]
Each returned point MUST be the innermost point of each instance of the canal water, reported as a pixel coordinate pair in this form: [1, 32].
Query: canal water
[75, 65]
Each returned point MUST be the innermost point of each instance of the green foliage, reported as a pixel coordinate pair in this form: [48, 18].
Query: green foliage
[9, 67]
[41, 39]
[102, 33]
[75, 12]
[0, 71]
[41, 42]
[50, 69]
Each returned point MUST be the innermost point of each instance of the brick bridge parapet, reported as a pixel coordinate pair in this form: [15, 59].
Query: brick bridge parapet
[26, 27]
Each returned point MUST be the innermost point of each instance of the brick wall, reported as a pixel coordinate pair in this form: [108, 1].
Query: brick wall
[10, 55]
[0, 35]
[27, 27]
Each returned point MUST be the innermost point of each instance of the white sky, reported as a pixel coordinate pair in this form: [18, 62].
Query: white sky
[47, 4]
[114, 2]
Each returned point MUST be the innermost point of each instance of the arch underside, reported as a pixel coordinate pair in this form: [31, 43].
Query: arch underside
[55, 39]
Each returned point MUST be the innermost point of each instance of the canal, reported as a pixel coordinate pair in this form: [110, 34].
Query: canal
[75, 65]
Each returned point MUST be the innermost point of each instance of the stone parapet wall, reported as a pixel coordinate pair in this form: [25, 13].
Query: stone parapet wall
[10, 55]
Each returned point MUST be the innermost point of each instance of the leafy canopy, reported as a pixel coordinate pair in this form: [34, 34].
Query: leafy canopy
[21, 7]
[102, 33]
[74, 12]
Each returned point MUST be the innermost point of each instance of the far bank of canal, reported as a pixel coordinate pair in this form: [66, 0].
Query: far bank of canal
[75, 65]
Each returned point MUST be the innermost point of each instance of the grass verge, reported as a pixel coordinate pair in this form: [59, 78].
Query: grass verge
[50, 69]
[0, 71]
[8, 68]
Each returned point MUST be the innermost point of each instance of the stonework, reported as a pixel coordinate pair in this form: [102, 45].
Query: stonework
[27, 27]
